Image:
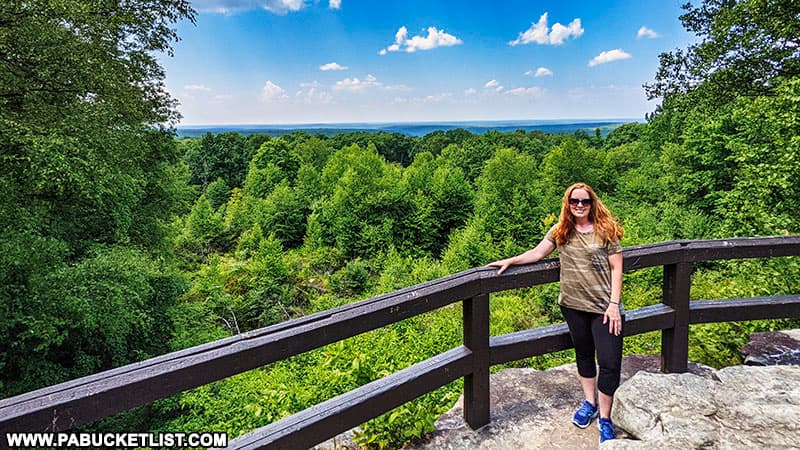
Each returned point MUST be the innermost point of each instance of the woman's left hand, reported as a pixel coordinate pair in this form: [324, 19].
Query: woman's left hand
[613, 318]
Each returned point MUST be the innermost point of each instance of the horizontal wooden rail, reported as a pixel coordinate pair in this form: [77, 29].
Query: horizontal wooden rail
[84, 400]
[327, 419]
[738, 309]
[90, 398]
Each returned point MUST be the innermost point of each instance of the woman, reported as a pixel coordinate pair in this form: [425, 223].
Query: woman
[587, 238]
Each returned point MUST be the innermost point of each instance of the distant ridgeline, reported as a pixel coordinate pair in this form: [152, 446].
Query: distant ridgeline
[413, 128]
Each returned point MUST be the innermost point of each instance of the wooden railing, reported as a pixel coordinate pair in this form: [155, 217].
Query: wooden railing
[87, 399]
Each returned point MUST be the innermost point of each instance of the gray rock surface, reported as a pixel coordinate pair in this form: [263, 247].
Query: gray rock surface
[532, 409]
[772, 348]
[740, 407]
[733, 408]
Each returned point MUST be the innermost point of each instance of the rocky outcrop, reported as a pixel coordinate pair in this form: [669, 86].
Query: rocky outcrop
[738, 407]
[732, 408]
[772, 348]
[532, 409]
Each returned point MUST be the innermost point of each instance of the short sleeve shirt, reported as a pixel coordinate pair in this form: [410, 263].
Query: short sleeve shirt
[585, 271]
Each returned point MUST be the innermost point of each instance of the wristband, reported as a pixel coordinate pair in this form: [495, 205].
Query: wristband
[613, 303]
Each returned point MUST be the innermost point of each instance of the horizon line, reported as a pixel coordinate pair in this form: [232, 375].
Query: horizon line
[439, 122]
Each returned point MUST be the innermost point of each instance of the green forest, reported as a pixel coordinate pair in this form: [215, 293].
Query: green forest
[120, 241]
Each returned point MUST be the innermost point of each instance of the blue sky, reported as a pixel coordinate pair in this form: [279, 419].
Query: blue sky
[343, 61]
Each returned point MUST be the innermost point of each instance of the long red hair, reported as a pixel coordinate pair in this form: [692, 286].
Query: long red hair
[605, 224]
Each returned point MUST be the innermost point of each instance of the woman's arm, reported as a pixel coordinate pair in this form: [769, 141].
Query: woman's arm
[531, 256]
[612, 315]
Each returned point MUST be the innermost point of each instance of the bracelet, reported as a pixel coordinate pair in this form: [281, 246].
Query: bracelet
[613, 303]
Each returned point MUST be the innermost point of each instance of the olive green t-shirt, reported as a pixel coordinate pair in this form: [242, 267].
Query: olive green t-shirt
[585, 271]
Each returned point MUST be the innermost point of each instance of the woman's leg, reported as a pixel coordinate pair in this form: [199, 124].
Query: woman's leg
[609, 358]
[580, 329]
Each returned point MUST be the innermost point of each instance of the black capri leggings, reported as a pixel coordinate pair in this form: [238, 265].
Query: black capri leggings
[589, 333]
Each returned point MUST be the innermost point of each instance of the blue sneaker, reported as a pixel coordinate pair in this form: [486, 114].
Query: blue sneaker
[606, 429]
[584, 415]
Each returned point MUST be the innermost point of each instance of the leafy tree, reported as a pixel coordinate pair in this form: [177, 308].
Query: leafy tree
[87, 163]
[442, 201]
[507, 201]
[283, 213]
[470, 156]
[571, 162]
[218, 193]
[223, 155]
[363, 205]
[764, 149]
[624, 134]
[745, 47]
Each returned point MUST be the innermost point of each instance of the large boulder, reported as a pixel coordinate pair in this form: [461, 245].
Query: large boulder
[772, 348]
[738, 407]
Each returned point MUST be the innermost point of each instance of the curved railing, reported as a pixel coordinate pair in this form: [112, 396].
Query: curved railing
[87, 399]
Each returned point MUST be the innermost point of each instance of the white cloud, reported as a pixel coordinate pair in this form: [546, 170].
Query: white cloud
[540, 72]
[272, 91]
[647, 32]
[435, 38]
[491, 84]
[608, 56]
[534, 91]
[335, 4]
[315, 96]
[332, 66]
[397, 87]
[355, 84]
[223, 97]
[470, 91]
[232, 6]
[540, 33]
[196, 87]
[499, 89]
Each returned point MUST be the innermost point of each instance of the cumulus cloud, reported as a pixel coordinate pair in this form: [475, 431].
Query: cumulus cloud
[608, 56]
[491, 84]
[314, 96]
[647, 32]
[435, 38]
[356, 84]
[541, 33]
[196, 87]
[533, 91]
[332, 66]
[233, 6]
[540, 72]
[272, 91]
[470, 91]
[335, 4]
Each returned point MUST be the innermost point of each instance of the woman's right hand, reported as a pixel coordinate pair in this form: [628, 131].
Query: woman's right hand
[503, 264]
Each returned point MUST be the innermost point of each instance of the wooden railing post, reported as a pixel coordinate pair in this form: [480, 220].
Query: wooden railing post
[675, 340]
[476, 338]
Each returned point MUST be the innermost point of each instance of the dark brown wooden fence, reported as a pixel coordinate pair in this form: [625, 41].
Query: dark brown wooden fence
[87, 399]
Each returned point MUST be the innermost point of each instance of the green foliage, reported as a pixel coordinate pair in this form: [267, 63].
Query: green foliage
[469, 247]
[570, 162]
[366, 203]
[764, 149]
[89, 185]
[283, 213]
[441, 198]
[223, 155]
[508, 199]
[352, 279]
[109, 309]
[218, 193]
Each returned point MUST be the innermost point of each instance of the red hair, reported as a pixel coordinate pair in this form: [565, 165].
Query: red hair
[605, 225]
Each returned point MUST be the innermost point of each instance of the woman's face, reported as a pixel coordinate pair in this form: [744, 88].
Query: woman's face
[580, 202]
